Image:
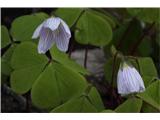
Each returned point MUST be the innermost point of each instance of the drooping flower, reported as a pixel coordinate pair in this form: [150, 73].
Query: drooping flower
[129, 80]
[52, 31]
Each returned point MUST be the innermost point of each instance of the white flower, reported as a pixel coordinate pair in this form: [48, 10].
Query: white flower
[53, 30]
[129, 80]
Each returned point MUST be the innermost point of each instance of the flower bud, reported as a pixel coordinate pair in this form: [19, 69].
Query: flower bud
[129, 80]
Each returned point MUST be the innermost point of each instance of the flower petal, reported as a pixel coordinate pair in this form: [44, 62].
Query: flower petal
[133, 83]
[37, 31]
[46, 40]
[139, 80]
[120, 81]
[66, 28]
[52, 23]
[61, 39]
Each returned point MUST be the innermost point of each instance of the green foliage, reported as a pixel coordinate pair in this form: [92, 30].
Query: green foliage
[23, 27]
[78, 105]
[152, 95]
[90, 102]
[146, 108]
[63, 58]
[130, 105]
[69, 15]
[147, 70]
[27, 65]
[93, 29]
[5, 37]
[95, 99]
[149, 15]
[32, 71]
[5, 66]
[108, 18]
[56, 85]
[6, 59]
[145, 48]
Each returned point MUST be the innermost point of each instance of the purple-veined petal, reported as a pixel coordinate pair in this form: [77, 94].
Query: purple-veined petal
[46, 40]
[133, 84]
[66, 28]
[52, 23]
[120, 82]
[129, 80]
[61, 39]
[37, 31]
[139, 80]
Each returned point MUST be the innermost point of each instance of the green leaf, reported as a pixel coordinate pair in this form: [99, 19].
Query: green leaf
[106, 17]
[93, 29]
[146, 14]
[8, 54]
[63, 58]
[56, 85]
[147, 69]
[5, 67]
[145, 47]
[69, 15]
[152, 95]
[28, 64]
[23, 27]
[6, 59]
[146, 108]
[90, 102]
[130, 105]
[78, 105]
[95, 99]
[5, 39]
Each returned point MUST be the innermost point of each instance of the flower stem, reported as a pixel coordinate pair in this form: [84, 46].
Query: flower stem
[113, 68]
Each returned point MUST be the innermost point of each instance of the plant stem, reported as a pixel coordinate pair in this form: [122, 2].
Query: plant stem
[85, 57]
[113, 68]
[135, 46]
